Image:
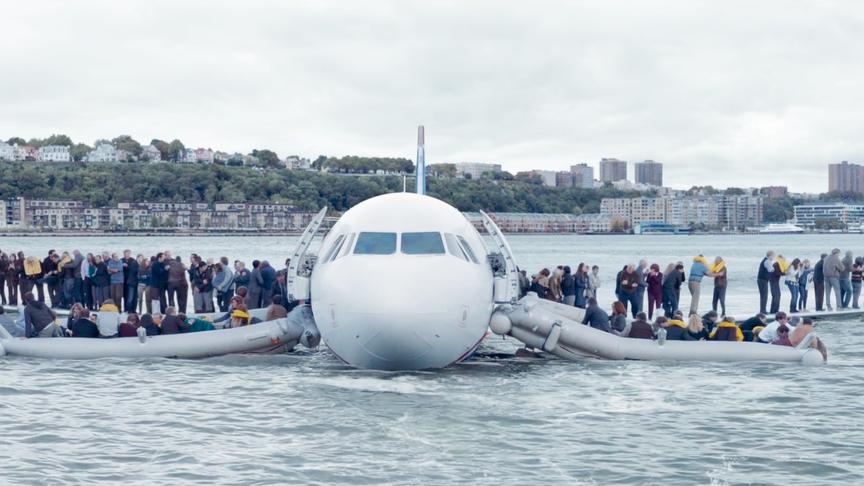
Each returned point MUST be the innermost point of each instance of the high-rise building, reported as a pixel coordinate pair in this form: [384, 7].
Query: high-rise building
[612, 170]
[583, 175]
[845, 177]
[649, 172]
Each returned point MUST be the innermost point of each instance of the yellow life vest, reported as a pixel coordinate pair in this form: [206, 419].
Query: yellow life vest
[739, 336]
[32, 266]
[701, 259]
[784, 265]
[718, 267]
[676, 323]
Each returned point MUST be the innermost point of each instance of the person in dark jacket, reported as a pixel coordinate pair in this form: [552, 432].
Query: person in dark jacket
[755, 323]
[38, 318]
[710, 320]
[618, 320]
[568, 287]
[595, 317]
[130, 327]
[158, 283]
[268, 281]
[177, 288]
[241, 275]
[173, 323]
[640, 329]
[676, 328]
[669, 286]
[150, 326]
[819, 282]
[654, 289]
[696, 329]
[256, 284]
[84, 327]
[774, 282]
[581, 282]
[628, 283]
[727, 330]
[130, 282]
[101, 281]
[763, 275]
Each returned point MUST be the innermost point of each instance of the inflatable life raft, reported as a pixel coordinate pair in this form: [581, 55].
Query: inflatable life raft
[298, 327]
[558, 329]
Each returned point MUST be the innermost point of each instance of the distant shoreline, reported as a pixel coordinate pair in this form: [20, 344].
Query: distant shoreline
[177, 234]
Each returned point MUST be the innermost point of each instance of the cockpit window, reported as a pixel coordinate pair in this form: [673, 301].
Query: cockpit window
[371, 243]
[347, 246]
[426, 243]
[467, 248]
[335, 248]
[453, 247]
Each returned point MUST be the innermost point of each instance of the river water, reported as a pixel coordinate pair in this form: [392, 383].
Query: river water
[305, 418]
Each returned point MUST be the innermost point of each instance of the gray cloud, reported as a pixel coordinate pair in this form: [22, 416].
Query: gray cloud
[727, 93]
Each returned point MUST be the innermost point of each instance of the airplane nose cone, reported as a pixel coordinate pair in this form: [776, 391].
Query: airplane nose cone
[393, 343]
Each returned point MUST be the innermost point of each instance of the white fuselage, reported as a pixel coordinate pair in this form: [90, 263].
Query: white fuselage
[402, 283]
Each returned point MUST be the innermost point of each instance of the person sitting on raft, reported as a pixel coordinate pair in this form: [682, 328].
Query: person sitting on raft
[84, 327]
[769, 333]
[696, 329]
[752, 325]
[727, 330]
[618, 321]
[174, 323]
[782, 336]
[130, 327]
[236, 302]
[239, 318]
[710, 320]
[639, 328]
[150, 326]
[38, 318]
[596, 317]
[108, 319]
[676, 328]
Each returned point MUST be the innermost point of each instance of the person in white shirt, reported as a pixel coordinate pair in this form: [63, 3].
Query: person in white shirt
[769, 333]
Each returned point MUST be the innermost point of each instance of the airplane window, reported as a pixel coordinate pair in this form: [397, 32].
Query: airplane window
[371, 243]
[348, 244]
[335, 248]
[467, 248]
[453, 247]
[426, 243]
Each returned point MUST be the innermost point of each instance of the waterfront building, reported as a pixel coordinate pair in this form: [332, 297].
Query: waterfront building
[583, 176]
[77, 215]
[563, 179]
[547, 223]
[7, 152]
[845, 177]
[717, 211]
[648, 172]
[295, 162]
[203, 156]
[475, 170]
[24, 152]
[829, 215]
[150, 153]
[612, 170]
[104, 152]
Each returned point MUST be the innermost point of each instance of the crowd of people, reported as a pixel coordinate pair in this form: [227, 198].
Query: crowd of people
[651, 296]
[151, 292]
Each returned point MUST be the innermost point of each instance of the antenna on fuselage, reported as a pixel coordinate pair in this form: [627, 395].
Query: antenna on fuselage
[421, 161]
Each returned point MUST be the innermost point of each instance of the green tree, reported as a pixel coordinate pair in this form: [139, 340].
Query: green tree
[176, 150]
[16, 140]
[127, 143]
[267, 158]
[59, 140]
[79, 151]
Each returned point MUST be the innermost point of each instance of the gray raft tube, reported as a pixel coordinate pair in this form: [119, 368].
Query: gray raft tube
[298, 327]
[558, 329]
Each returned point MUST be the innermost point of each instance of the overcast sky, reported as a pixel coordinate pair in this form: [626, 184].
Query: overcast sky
[724, 93]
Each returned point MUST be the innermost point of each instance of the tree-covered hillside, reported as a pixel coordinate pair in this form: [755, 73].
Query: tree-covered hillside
[108, 184]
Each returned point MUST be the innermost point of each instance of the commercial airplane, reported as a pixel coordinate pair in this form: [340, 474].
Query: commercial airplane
[403, 281]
